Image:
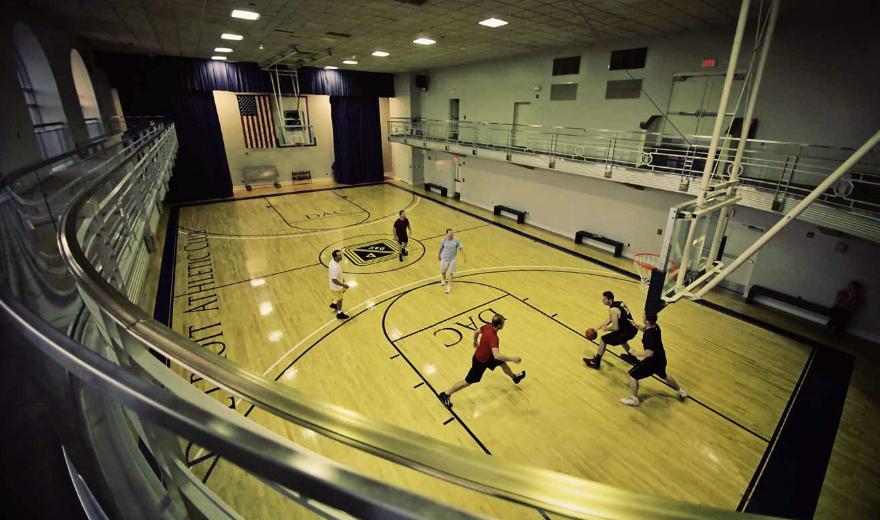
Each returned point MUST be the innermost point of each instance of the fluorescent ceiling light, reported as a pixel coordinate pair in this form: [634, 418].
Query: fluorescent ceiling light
[223, 58]
[493, 22]
[350, 62]
[230, 36]
[330, 67]
[424, 41]
[380, 54]
[245, 15]
[222, 49]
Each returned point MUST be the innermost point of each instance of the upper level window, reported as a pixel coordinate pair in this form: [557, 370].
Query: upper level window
[88, 102]
[40, 93]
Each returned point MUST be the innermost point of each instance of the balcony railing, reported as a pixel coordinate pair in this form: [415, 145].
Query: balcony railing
[71, 269]
[787, 170]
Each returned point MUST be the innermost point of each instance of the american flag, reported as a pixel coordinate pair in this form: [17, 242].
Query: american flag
[257, 121]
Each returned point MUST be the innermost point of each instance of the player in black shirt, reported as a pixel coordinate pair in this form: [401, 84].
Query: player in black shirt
[653, 362]
[619, 323]
[401, 225]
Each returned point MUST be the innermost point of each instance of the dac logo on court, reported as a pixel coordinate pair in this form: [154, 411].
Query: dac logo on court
[371, 252]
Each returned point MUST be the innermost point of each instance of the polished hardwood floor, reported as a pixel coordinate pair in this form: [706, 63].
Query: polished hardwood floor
[251, 283]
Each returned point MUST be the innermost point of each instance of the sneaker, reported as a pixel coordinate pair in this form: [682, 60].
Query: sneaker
[630, 401]
[448, 288]
[333, 306]
[444, 398]
[401, 257]
[592, 362]
[342, 316]
[682, 395]
[629, 358]
[519, 377]
[405, 252]
[442, 282]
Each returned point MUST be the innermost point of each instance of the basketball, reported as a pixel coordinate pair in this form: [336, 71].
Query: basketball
[590, 334]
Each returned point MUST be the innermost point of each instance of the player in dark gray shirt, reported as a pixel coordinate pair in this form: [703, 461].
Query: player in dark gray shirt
[653, 361]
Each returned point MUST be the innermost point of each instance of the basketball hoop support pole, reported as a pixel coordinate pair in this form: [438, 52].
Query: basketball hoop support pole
[791, 215]
[716, 133]
[744, 132]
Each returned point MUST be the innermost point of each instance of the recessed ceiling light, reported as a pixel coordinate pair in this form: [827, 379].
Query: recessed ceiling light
[245, 15]
[230, 36]
[424, 41]
[380, 54]
[330, 67]
[218, 58]
[222, 49]
[350, 62]
[493, 22]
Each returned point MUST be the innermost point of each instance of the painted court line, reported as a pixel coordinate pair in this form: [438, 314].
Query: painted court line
[376, 300]
[415, 202]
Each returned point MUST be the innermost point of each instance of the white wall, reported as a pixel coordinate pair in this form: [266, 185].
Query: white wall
[400, 106]
[384, 110]
[318, 159]
[818, 86]
[791, 263]
[809, 267]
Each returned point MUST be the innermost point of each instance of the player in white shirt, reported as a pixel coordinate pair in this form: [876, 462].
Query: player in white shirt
[337, 284]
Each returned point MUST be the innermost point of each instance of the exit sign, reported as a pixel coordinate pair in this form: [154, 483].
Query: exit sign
[709, 63]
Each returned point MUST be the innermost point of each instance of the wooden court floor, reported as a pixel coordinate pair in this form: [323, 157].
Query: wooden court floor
[251, 284]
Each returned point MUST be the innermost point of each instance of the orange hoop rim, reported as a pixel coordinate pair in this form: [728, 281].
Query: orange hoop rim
[649, 266]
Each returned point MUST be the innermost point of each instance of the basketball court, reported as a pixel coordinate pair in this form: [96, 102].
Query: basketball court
[251, 284]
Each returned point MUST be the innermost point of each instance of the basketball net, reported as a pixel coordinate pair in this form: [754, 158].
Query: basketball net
[645, 263]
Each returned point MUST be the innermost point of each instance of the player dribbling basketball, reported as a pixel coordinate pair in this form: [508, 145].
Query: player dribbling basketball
[619, 323]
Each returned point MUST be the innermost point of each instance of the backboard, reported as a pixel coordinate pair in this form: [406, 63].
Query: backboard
[691, 249]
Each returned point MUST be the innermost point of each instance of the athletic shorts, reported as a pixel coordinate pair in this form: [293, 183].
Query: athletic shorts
[335, 296]
[447, 266]
[402, 239]
[618, 337]
[477, 368]
[647, 368]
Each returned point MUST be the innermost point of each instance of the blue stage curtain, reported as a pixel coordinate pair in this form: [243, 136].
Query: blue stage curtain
[350, 83]
[201, 170]
[357, 139]
[175, 74]
[181, 89]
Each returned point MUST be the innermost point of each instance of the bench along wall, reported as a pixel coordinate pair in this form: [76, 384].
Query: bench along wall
[801, 261]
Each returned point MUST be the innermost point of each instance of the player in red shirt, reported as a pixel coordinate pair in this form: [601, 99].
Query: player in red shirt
[487, 355]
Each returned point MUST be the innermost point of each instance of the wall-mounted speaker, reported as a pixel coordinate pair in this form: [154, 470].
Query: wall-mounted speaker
[422, 82]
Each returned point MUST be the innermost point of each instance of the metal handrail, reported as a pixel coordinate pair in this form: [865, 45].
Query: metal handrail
[399, 119]
[534, 487]
[765, 162]
[283, 462]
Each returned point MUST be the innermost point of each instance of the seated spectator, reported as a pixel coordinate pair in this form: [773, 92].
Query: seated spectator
[845, 305]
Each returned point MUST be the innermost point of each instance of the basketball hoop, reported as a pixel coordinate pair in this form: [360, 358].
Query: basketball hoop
[645, 263]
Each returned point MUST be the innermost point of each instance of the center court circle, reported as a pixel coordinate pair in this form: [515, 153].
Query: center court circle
[372, 254]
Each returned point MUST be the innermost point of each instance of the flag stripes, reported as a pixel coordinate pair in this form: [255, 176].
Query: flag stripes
[257, 122]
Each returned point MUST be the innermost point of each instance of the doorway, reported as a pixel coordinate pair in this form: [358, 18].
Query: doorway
[738, 238]
[453, 119]
[519, 135]
[693, 103]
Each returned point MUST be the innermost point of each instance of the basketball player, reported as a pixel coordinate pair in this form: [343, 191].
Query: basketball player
[401, 225]
[619, 323]
[449, 248]
[337, 284]
[653, 362]
[487, 355]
